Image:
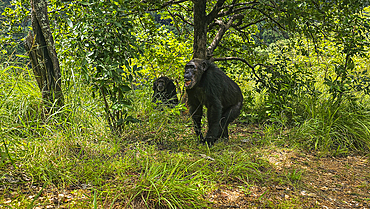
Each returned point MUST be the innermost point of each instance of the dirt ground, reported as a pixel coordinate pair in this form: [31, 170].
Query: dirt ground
[330, 182]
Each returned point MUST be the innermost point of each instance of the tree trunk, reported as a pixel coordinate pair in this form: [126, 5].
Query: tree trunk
[43, 56]
[200, 29]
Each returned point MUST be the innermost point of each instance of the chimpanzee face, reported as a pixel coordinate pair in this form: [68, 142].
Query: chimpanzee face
[193, 73]
[161, 84]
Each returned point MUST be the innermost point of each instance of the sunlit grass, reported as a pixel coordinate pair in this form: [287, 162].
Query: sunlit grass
[335, 129]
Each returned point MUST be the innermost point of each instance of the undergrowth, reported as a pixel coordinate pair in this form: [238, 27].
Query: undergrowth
[156, 163]
[334, 129]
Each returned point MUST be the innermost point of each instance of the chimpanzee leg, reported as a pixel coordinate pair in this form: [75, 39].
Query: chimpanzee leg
[214, 116]
[196, 112]
[228, 116]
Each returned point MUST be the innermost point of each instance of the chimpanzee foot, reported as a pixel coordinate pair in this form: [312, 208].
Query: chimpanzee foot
[225, 139]
[211, 141]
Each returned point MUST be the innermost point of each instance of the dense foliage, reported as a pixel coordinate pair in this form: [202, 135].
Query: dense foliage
[101, 35]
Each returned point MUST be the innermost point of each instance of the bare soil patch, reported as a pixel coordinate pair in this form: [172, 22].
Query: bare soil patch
[328, 182]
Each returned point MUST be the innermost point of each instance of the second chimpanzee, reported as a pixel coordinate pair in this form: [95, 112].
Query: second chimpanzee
[165, 92]
[207, 85]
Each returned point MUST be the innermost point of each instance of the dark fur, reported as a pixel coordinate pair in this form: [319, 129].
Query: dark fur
[207, 85]
[164, 92]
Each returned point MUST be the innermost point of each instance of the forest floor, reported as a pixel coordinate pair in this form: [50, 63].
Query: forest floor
[328, 182]
[297, 180]
[320, 182]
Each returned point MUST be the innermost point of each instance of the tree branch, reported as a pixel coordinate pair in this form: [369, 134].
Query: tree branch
[247, 63]
[242, 60]
[214, 13]
[169, 3]
[272, 19]
[221, 32]
[181, 17]
[252, 23]
[174, 19]
[232, 7]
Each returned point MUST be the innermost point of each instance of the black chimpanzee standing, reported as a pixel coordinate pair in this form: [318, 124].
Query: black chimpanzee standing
[207, 85]
[165, 92]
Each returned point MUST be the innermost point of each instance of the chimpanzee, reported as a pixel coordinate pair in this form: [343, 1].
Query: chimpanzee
[207, 85]
[165, 92]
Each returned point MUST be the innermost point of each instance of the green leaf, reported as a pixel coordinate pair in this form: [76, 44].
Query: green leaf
[125, 88]
[85, 3]
[70, 23]
[22, 56]
[130, 119]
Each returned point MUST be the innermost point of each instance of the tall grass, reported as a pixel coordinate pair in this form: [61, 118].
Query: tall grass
[18, 101]
[334, 129]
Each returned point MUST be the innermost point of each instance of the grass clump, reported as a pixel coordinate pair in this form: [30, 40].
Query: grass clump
[335, 129]
[172, 185]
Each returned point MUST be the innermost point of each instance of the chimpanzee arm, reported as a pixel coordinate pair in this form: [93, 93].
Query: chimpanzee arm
[170, 88]
[174, 98]
[196, 112]
[214, 112]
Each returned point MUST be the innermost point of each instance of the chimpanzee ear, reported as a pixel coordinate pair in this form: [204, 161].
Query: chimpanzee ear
[204, 65]
[155, 85]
